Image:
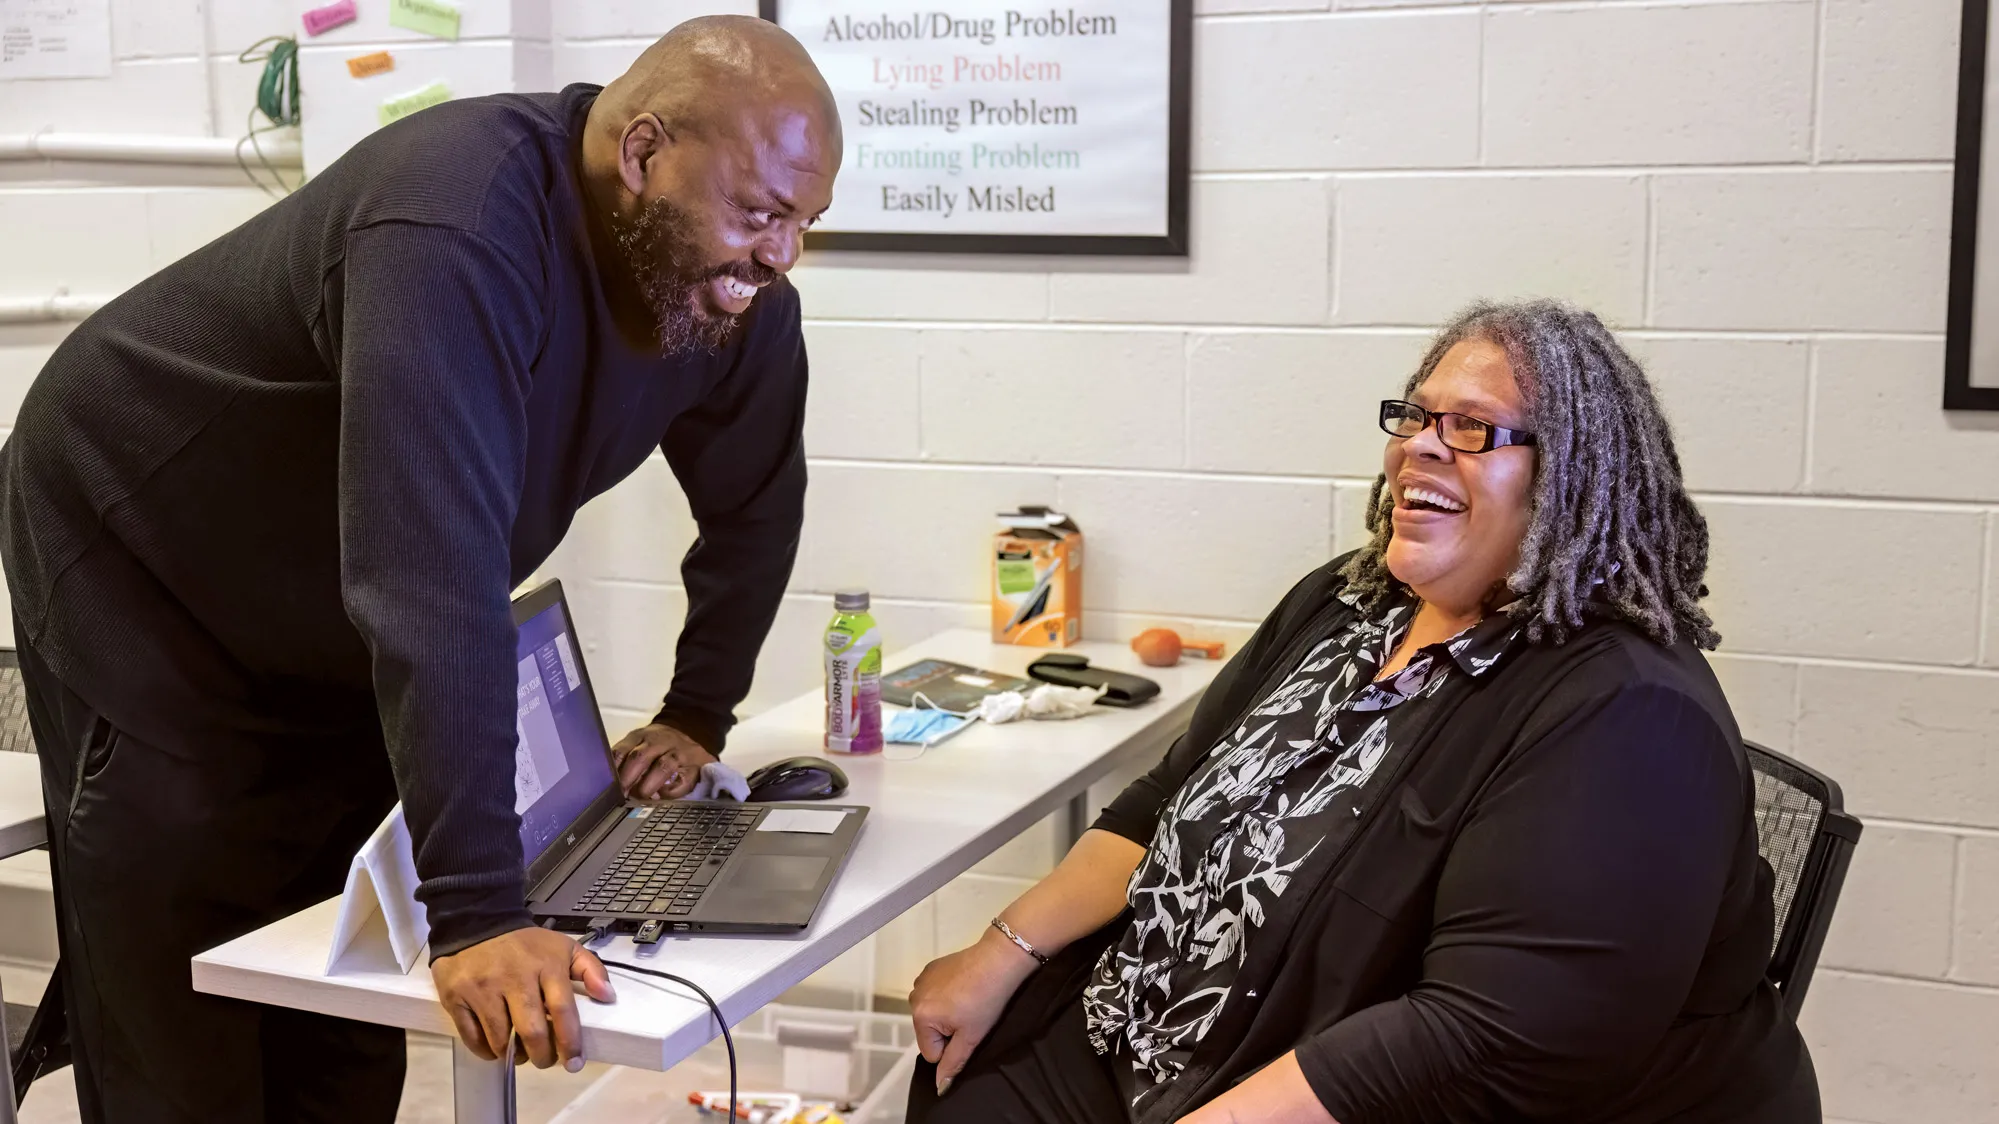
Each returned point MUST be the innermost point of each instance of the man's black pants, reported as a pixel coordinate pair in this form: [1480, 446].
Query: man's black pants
[162, 851]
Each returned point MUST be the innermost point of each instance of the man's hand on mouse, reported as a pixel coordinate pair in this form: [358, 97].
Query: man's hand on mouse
[658, 762]
[519, 983]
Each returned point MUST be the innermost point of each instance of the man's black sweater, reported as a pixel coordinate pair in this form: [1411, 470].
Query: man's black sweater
[287, 483]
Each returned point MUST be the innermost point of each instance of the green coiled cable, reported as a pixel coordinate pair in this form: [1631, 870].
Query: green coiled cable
[277, 100]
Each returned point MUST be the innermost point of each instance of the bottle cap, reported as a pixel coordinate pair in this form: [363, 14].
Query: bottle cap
[851, 600]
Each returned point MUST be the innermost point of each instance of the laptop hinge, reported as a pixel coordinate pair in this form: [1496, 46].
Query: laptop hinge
[578, 854]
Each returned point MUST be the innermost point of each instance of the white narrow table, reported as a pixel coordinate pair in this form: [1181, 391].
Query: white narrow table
[21, 829]
[931, 819]
[21, 826]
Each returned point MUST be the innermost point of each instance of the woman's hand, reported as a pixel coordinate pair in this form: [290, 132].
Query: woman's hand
[958, 998]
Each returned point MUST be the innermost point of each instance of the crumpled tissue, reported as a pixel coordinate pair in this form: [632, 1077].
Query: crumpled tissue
[717, 782]
[1045, 701]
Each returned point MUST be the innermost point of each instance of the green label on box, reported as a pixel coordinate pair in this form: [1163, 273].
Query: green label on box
[395, 109]
[1015, 577]
[428, 17]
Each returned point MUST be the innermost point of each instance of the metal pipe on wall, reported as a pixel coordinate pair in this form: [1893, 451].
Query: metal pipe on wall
[117, 148]
[49, 310]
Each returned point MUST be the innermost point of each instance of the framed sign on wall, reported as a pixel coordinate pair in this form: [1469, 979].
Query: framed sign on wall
[999, 126]
[1971, 342]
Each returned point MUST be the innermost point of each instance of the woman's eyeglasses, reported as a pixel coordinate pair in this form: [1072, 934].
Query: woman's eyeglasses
[1462, 432]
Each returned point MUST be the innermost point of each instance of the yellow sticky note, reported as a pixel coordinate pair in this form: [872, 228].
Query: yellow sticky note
[395, 109]
[361, 66]
[430, 17]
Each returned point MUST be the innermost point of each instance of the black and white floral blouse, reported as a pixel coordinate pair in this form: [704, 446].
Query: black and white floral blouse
[1287, 782]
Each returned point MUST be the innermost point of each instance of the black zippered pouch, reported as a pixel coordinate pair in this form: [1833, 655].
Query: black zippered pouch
[1066, 670]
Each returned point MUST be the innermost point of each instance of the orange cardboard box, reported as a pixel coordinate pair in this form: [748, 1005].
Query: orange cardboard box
[1037, 579]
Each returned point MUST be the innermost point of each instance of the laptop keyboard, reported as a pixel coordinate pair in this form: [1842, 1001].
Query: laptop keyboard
[669, 861]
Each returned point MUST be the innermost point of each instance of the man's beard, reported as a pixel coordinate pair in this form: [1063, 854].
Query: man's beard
[659, 247]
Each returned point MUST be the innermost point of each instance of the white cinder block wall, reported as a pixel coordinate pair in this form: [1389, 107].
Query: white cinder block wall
[92, 230]
[1756, 191]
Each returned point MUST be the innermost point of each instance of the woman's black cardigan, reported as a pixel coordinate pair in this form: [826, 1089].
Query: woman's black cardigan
[1553, 909]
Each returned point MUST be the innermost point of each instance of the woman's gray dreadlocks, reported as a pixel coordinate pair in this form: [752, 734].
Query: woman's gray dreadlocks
[1613, 532]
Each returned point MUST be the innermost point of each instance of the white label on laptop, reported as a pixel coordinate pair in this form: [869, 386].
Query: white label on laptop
[817, 821]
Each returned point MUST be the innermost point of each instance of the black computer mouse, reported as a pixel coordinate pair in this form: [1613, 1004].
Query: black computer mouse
[797, 778]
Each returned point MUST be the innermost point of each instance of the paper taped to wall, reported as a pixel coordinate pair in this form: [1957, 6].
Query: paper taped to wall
[55, 39]
[363, 66]
[326, 17]
[435, 18]
[397, 108]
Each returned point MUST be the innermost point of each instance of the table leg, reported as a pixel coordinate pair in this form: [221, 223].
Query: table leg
[1077, 818]
[6, 1068]
[482, 1092]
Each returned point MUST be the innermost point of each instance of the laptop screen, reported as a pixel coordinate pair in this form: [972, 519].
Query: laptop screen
[561, 762]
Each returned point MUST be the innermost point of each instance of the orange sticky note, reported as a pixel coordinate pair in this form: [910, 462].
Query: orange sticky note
[361, 66]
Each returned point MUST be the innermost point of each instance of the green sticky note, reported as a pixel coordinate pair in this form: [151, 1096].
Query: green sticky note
[1015, 577]
[428, 17]
[395, 109]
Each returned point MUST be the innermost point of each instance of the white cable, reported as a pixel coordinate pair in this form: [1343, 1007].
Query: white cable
[214, 111]
[509, 1112]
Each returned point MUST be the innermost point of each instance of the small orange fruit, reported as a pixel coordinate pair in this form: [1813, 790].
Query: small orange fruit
[1157, 647]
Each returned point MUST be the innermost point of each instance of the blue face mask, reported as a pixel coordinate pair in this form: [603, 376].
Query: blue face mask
[922, 727]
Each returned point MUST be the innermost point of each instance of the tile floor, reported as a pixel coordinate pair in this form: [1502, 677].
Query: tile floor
[599, 1093]
[541, 1094]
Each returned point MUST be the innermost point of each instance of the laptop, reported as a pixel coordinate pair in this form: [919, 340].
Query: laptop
[691, 866]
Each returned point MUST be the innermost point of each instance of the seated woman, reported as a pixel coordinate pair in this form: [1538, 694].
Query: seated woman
[1464, 833]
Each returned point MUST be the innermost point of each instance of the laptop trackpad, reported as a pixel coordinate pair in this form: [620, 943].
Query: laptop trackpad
[767, 873]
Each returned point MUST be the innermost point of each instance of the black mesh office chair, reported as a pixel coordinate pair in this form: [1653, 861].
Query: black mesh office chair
[38, 1036]
[14, 734]
[1805, 834]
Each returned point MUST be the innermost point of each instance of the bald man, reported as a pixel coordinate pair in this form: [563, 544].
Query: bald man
[262, 515]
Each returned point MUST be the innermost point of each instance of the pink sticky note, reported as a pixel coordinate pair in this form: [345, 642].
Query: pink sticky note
[320, 20]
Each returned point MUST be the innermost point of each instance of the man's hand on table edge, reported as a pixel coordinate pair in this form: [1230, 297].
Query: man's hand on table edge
[518, 983]
[658, 762]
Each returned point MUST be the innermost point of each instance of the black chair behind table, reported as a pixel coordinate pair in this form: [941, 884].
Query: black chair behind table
[1804, 832]
[38, 1036]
